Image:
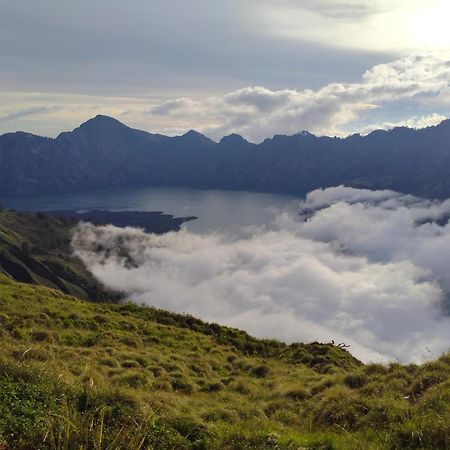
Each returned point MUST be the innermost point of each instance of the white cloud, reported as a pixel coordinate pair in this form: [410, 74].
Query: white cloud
[366, 268]
[412, 122]
[416, 83]
[258, 112]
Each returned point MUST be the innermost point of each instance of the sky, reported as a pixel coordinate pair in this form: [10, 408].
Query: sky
[366, 268]
[254, 67]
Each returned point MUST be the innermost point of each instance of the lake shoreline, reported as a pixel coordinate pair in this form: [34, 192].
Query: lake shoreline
[151, 221]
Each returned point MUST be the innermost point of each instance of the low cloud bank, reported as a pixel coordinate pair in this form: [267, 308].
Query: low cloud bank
[368, 268]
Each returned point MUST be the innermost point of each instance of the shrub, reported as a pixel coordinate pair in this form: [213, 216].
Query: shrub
[213, 387]
[130, 341]
[156, 371]
[242, 386]
[183, 385]
[340, 407]
[297, 394]
[109, 362]
[189, 427]
[259, 371]
[322, 386]
[383, 412]
[426, 381]
[356, 380]
[40, 336]
[130, 378]
[161, 436]
[130, 364]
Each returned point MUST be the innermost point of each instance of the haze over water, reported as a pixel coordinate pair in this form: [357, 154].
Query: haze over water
[216, 210]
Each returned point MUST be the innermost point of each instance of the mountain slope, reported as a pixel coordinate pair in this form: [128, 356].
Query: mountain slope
[104, 153]
[81, 375]
[35, 248]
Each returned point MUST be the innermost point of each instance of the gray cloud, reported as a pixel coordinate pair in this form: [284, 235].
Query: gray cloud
[258, 112]
[35, 110]
[174, 106]
[367, 268]
[337, 9]
[138, 47]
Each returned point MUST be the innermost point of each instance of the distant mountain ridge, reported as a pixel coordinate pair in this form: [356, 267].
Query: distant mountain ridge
[104, 152]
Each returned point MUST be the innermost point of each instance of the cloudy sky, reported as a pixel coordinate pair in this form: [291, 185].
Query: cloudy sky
[256, 67]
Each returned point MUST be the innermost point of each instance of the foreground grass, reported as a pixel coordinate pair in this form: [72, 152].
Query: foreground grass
[78, 375]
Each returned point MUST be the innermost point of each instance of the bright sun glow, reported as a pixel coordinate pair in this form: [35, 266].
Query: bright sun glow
[412, 25]
[429, 27]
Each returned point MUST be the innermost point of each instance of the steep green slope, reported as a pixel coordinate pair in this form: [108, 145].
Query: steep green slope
[79, 375]
[35, 248]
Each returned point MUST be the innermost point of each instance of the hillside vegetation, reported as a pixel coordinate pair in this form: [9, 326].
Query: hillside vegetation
[35, 248]
[80, 375]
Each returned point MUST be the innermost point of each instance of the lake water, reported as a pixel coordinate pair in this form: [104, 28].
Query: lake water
[216, 210]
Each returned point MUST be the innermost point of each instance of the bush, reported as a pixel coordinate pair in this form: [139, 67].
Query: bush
[259, 371]
[189, 428]
[40, 336]
[340, 407]
[181, 384]
[213, 387]
[356, 380]
[109, 362]
[297, 394]
[131, 379]
[130, 364]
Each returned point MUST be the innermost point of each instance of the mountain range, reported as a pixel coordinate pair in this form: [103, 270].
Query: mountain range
[103, 153]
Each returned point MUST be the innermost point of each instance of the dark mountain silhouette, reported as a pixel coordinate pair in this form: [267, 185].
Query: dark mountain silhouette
[103, 152]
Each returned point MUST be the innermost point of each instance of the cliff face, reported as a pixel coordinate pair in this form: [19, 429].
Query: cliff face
[105, 153]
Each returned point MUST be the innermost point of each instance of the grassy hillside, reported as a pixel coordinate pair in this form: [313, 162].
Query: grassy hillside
[79, 375]
[35, 248]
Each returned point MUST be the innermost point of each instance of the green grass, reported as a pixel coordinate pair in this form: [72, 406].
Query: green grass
[35, 248]
[80, 375]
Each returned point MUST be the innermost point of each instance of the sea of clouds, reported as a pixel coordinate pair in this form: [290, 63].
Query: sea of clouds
[367, 268]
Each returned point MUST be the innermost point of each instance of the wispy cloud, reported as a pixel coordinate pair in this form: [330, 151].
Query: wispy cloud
[351, 10]
[33, 111]
[411, 122]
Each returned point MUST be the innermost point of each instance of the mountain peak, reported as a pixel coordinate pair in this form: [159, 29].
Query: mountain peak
[444, 124]
[233, 139]
[193, 133]
[102, 121]
[305, 133]
[195, 136]
[99, 125]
